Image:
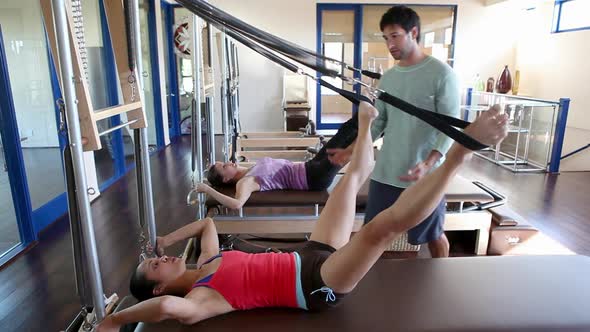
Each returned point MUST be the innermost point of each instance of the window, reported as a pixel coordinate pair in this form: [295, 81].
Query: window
[429, 39]
[571, 15]
[334, 51]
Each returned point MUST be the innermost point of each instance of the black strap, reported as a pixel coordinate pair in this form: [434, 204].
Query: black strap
[371, 74]
[442, 122]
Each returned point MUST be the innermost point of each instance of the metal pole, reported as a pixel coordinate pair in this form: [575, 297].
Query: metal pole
[211, 127]
[73, 121]
[198, 97]
[224, 106]
[210, 108]
[145, 193]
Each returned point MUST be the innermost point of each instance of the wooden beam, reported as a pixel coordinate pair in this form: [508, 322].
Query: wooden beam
[285, 226]
[106, 113]
[279, 154]
[271, 134]
[277, 142]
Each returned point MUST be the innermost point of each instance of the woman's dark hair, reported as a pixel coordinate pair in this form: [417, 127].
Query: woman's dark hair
[141, 287]
[403, 16]
[214, 177]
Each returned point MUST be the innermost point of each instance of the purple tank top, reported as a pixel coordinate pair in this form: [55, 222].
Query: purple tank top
[277, 174]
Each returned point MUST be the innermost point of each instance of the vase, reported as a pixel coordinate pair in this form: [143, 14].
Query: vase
[504, 83]
[516, 82]
[490, 85]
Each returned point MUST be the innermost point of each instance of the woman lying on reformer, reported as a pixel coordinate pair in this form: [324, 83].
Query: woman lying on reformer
[317, 276]
[268, 174]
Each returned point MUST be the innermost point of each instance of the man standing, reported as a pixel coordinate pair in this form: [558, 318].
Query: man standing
[411, 148]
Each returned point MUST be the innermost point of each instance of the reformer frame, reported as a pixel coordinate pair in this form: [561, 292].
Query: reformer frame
[465, 212]
[64, 26]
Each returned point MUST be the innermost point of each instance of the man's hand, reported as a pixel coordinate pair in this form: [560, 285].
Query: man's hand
[339, 156]
[417, 172]
[203, 188]
[108, 325]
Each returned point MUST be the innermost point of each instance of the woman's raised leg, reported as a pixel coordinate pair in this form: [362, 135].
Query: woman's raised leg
[337, 218]
[346, 267]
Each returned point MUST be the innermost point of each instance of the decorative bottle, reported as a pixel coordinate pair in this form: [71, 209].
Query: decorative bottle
[478, 83]
[504, 83]
[516, 82]
[490, 85]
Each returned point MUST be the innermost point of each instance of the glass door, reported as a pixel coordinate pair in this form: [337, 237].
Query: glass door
[9, 234]
[16, 227]
[34, 107]
[149, 63]
[338, 39]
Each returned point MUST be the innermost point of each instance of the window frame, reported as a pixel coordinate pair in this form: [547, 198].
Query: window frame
[555, 26]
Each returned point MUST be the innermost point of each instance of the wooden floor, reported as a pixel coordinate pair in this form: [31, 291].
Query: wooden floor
[37, 290]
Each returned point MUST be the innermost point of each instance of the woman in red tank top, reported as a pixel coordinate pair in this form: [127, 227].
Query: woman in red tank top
[315, 277]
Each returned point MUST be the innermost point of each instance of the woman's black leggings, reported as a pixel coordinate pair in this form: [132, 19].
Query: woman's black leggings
[320, 171]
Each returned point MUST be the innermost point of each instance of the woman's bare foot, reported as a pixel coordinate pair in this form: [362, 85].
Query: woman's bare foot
[367, 113]
[490, 127]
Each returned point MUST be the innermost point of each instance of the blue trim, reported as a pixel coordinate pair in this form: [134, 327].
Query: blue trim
[173, 105]
[50, 212]
[558, 137]
[17, 176]
[109, 182]
[570, 30]
[556, 27]
[157, 91]
[112, 90]
[468, 99]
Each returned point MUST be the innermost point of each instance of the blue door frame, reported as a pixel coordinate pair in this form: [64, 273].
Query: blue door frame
[358, 28]
[153, 38]
[172, 70]
[14, 160]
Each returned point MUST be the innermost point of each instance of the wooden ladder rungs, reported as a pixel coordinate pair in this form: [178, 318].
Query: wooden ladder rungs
[106, 113]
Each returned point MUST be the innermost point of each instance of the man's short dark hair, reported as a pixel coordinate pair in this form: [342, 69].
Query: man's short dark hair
[403, 16]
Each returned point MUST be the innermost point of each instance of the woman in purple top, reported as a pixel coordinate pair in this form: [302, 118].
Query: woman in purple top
[279, 174]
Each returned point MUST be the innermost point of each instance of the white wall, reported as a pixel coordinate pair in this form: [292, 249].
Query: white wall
[484, 45]
[554, 65]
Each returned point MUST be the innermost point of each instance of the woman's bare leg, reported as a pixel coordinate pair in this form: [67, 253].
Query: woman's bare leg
[346, 267]
[337, 218]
